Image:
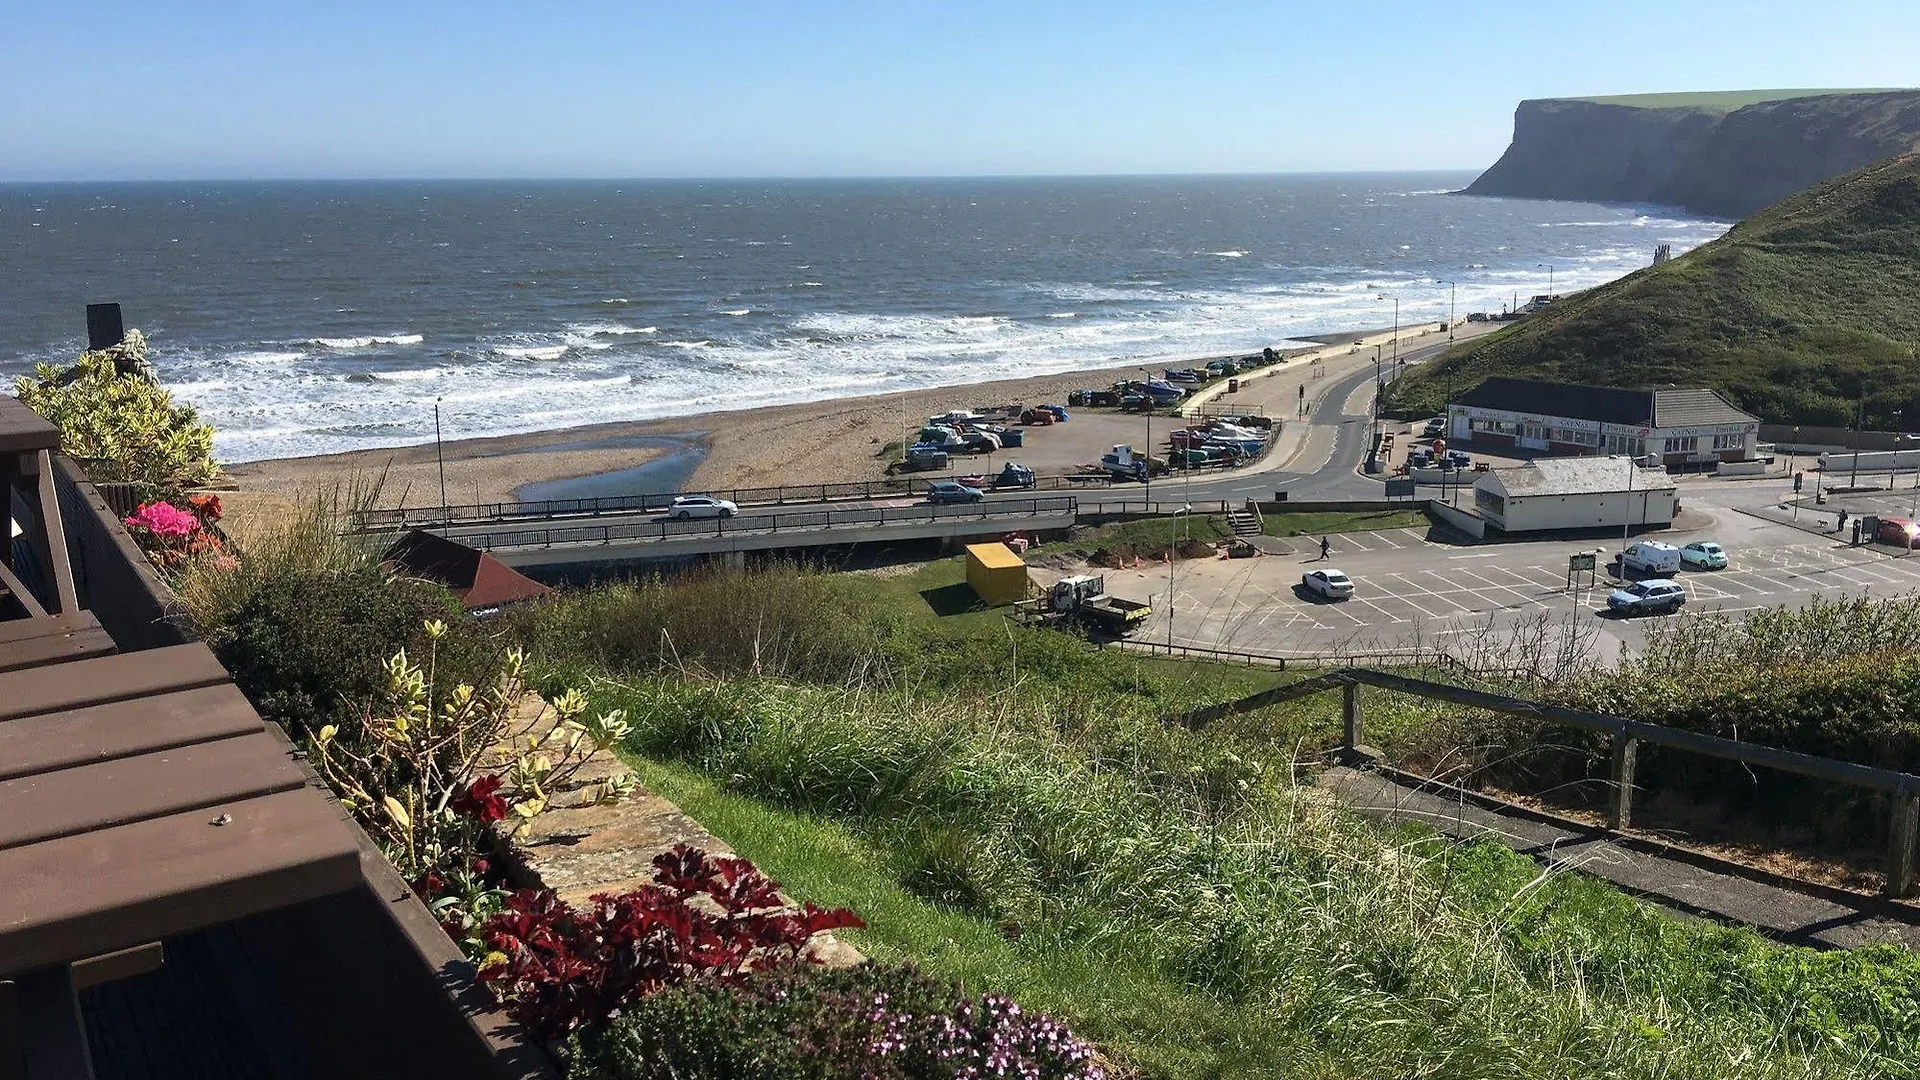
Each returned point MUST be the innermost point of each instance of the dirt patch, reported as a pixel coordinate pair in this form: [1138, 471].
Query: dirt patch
[1132, 556]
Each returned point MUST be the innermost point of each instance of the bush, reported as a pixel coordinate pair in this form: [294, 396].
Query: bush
[871, 1021]
[564, 970]
[122, 427]
[306, 646]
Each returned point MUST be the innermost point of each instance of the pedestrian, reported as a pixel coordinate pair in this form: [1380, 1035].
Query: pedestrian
[1840, 523]
[1856, 532]
[1326, 549]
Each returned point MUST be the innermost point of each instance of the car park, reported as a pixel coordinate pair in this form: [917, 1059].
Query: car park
[1703, 555]
[1651, 597]
[1650, 557]
[1328, 584]
[943, 492]
[687, 507]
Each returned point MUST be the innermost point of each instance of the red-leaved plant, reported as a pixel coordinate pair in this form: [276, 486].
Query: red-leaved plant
[561, 969]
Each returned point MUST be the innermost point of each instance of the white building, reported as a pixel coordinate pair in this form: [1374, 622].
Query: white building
[1566, 494]
[1680, 427]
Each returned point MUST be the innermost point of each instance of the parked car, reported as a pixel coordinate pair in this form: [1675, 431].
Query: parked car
[700, 506]
[1650, 557]
[942, 492]
[1435, 428]
[1328, 584]
[1703, 555]
[1650, 597]
[1899, 532]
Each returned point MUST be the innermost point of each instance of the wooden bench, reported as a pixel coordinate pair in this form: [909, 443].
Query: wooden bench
[51, 639]
[141, 797]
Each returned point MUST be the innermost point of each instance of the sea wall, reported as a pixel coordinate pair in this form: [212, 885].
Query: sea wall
[1726, 164]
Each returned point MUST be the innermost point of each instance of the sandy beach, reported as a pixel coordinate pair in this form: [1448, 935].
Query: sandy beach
[810, 442]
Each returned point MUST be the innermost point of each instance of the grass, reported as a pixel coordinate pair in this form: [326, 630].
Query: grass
[1182, 902]
[1798, 314]
[1719, 100]
[1342, 521]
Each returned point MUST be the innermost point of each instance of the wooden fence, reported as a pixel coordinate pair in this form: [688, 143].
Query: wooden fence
[1902, 788]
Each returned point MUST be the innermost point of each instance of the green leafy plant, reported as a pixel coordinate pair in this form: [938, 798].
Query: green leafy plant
[122, 427]
[429, 771]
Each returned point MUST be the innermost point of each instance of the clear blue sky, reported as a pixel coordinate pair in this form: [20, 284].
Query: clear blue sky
[166, 89]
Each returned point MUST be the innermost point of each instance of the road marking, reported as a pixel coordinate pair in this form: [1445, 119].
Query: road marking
[1385, 539]
[1391, 617]
[1524, 598]
[1487, 555]
[1419, 537]
[1409, 600]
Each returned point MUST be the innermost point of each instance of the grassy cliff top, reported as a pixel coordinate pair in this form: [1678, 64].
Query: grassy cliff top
[1800, 311]
[1719, 100]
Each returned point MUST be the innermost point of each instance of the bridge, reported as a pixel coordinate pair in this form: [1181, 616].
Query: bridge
[640, 534]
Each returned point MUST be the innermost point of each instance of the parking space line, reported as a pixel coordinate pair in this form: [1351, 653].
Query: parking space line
[1453, 587]
[1417, 588]
[1349, 540]
[1524, 597]
[1385, 539]
[1419, 537]
[1391, 617]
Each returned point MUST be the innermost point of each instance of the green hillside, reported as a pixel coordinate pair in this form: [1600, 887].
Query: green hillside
[1798, 313]
[1720, 100]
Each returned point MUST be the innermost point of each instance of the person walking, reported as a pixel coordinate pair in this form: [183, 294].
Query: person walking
[1326, 549]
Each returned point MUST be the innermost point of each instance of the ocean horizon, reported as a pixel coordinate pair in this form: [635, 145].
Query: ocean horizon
[309, 317]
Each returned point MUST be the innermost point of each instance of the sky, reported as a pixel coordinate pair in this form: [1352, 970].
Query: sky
[217, 89]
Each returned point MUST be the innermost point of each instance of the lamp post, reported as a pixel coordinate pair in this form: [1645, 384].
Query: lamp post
[440, 458]
[1548, 267]
[1859, 418]
[1396, 323]
[1146, 461]
[1451, 289]
[1173, 552]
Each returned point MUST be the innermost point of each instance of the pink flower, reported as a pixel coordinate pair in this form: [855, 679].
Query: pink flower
[164, 520]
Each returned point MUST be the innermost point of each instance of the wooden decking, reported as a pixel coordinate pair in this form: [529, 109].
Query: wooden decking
[141, 797]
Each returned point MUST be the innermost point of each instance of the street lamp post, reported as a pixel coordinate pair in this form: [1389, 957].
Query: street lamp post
[440, 458]
[1173, 552]
[1396, 323]
[1451, 288]
[1548, 267]
[1146, 460]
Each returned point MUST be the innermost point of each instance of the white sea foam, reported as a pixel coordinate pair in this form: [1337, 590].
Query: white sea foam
[367, 342]
[1062, 314]
[735, 311]
[265, 356]
[1236, 254]
[610, 329]
[616, 300]
[532, 352]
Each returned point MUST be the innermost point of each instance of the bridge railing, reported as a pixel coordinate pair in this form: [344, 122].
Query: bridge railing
[1626, 736]
[867, 490]
[756, 524]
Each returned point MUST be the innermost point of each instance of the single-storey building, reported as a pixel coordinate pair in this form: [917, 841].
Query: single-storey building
[1679, 427]
[1565, 494]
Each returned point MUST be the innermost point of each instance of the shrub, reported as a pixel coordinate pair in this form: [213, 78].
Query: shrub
[562, 970]
[123, 427]
[871, 1021]
[306, 645]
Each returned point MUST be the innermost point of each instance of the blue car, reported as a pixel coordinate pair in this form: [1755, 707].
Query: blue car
[944, 492]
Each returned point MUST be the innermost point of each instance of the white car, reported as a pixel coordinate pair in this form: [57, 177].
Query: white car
[1328, 584]
[700, 506]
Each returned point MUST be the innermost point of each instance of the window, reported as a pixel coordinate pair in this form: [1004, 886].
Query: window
[1574, 436]
[1730, 442]
[1625, 444]
[1494, 427]
[1490, 503]
[1682, 445]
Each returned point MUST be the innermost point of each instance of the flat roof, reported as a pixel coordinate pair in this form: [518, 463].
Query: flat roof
[1579, 476]
[995, 556]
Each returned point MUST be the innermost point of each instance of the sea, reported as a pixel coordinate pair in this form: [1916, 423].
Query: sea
[304, 318]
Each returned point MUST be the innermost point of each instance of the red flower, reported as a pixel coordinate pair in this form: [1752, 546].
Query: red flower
[481, 801]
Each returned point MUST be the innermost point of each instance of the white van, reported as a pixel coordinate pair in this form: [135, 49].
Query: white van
[1650, 557]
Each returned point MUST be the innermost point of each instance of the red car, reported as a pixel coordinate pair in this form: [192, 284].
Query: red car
[1899, 532]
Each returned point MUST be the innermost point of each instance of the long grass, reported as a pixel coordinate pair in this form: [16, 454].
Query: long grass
[1309, 944]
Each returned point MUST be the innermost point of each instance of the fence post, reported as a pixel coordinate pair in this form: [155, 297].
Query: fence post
[1626, 753]
[1356, 726]
[1906, 823]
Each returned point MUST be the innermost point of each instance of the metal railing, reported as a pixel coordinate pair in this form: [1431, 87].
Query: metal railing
[654, 502]
[756, 524]
[1626, 736]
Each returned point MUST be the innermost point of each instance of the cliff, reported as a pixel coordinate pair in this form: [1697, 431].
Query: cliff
[1797, 314]
[1725, 155]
